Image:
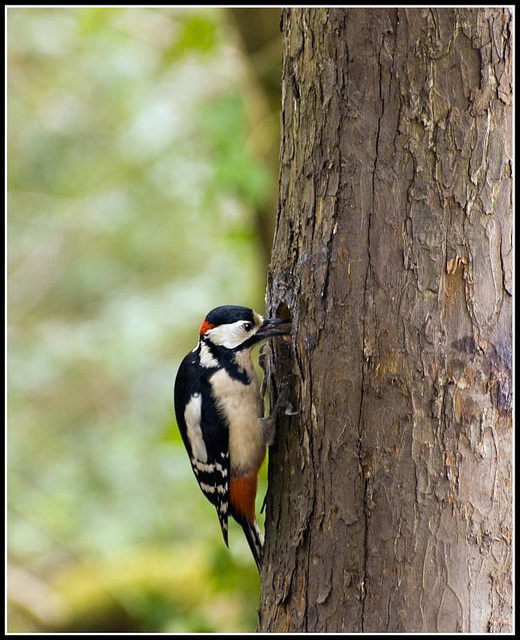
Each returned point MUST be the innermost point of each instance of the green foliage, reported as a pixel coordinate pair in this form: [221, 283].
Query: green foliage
[131, 199]
[198, 34]
[223, 125]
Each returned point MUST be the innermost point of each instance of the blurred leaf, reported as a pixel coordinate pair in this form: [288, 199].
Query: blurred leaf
[198, 33]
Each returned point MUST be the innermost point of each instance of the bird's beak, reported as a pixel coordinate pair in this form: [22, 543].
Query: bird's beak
[273, 327]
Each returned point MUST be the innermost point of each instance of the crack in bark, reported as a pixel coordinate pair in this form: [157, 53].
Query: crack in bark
[308, 529]
[365, 359]
[325, 291]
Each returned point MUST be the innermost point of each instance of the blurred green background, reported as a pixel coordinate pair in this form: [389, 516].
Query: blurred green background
[142, 174]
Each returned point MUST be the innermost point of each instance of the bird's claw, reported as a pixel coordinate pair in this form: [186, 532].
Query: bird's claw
[288, 409]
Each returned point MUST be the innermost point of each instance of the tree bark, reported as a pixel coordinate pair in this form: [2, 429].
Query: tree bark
[390, 494]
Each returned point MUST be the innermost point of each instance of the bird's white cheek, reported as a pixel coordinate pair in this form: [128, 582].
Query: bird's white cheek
[228, 335]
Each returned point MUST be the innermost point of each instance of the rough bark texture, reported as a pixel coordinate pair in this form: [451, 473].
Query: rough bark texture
[390, 494]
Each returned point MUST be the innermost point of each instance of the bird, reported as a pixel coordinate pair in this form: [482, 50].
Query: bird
[219, 412]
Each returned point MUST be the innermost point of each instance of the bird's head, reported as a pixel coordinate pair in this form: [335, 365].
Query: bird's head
[236, 328]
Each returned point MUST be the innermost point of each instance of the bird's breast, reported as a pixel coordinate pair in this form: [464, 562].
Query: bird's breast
[240, 405]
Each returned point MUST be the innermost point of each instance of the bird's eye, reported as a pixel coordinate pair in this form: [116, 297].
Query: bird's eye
[248, 326]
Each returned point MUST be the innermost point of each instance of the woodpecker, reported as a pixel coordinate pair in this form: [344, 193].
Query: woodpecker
[219, 413]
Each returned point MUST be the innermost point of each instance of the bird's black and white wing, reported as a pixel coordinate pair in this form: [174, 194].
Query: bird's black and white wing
[205, 435]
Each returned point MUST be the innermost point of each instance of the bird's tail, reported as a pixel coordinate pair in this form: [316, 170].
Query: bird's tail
[242, 492]
[255, 541]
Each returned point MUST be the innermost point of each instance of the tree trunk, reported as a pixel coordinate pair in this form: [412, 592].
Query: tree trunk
[390, 494]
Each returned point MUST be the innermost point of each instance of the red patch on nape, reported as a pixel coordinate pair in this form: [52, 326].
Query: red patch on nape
[205, 326]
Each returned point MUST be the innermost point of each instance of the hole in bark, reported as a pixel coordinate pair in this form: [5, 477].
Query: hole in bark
[283, 311]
